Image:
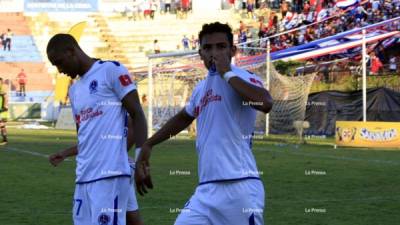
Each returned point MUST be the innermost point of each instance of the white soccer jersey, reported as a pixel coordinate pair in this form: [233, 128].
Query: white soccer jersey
[97, 108]
[225, 124]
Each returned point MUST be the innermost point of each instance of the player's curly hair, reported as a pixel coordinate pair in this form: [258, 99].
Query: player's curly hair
[216, 27]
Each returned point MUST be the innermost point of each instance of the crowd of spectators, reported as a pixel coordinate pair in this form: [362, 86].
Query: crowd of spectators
[310, 24]
[148, 9]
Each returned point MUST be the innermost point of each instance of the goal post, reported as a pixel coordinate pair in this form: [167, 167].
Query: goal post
[172, 77]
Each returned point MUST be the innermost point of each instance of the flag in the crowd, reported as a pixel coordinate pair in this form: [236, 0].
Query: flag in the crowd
[337, 44]
[343, 4]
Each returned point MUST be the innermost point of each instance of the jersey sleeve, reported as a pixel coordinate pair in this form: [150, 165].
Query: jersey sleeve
[119, 79]
[249, 77]
[191, 107]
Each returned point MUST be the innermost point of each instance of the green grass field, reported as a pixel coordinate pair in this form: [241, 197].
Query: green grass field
[354, 186]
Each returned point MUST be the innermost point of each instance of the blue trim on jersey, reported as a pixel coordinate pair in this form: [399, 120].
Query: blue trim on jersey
[252, 221]
[103, 178]
[115, 221]
[235, 179]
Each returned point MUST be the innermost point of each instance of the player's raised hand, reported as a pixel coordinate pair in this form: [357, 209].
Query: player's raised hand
[56, 158]
[142, 170]
[222, 63]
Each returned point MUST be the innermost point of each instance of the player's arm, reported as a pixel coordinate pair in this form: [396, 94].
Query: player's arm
[173, 126]
[132, 104]
[258, 97]
[56, 158]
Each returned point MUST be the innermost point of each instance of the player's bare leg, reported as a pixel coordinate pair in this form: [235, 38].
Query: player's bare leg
[3, 131]
[133, 218]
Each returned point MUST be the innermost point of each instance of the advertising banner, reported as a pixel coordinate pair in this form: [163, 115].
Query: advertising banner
[11, 5]
[61, 5]
[368, 134]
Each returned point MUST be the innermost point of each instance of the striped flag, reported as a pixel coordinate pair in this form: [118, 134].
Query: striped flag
[344, 4]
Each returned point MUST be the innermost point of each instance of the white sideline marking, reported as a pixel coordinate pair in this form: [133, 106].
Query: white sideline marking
[334, 157]
[30, 152]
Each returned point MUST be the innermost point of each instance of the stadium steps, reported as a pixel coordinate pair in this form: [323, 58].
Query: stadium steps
[115, 50]
[37, 77]
[23, 49]
[16, 22]
[137, 37]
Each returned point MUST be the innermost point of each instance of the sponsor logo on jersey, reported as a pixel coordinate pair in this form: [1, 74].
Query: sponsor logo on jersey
[207, 98]
[87, 114]
[104, 219]
[93, 86]
[125, 80]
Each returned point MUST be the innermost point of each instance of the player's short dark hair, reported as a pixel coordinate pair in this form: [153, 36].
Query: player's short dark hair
[217, 27]
[61, 42]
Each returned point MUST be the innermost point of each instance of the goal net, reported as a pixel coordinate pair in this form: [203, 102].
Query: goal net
[172, 77]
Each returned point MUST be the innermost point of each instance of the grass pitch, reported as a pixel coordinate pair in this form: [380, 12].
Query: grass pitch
[305, 184]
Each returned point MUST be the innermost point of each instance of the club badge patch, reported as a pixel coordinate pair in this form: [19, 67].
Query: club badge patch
[104, 219]
[93, 86]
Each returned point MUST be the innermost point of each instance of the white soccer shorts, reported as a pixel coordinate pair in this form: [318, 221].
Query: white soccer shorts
[225, 203]
[132, 201]
[101, 202]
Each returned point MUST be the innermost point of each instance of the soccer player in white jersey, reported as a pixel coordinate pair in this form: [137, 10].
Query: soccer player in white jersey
[224, 104]
[132, 211]
[100, 100]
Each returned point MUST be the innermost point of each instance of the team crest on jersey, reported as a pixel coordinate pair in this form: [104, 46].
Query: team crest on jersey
[93, 86]
[104, 219]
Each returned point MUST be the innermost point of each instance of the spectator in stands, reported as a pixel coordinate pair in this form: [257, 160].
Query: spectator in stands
[153, 8]
[250, 8]
[185, 4]
[156, 47]
[7, 40]
[146, 5]
[194, 42]
[284, 8]
[167, 6]
[136, 10]
[244, 4]
[376, 64]
[393, 64]
[185, 43]
[3, 113]
[2, 39]
[21, 77]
